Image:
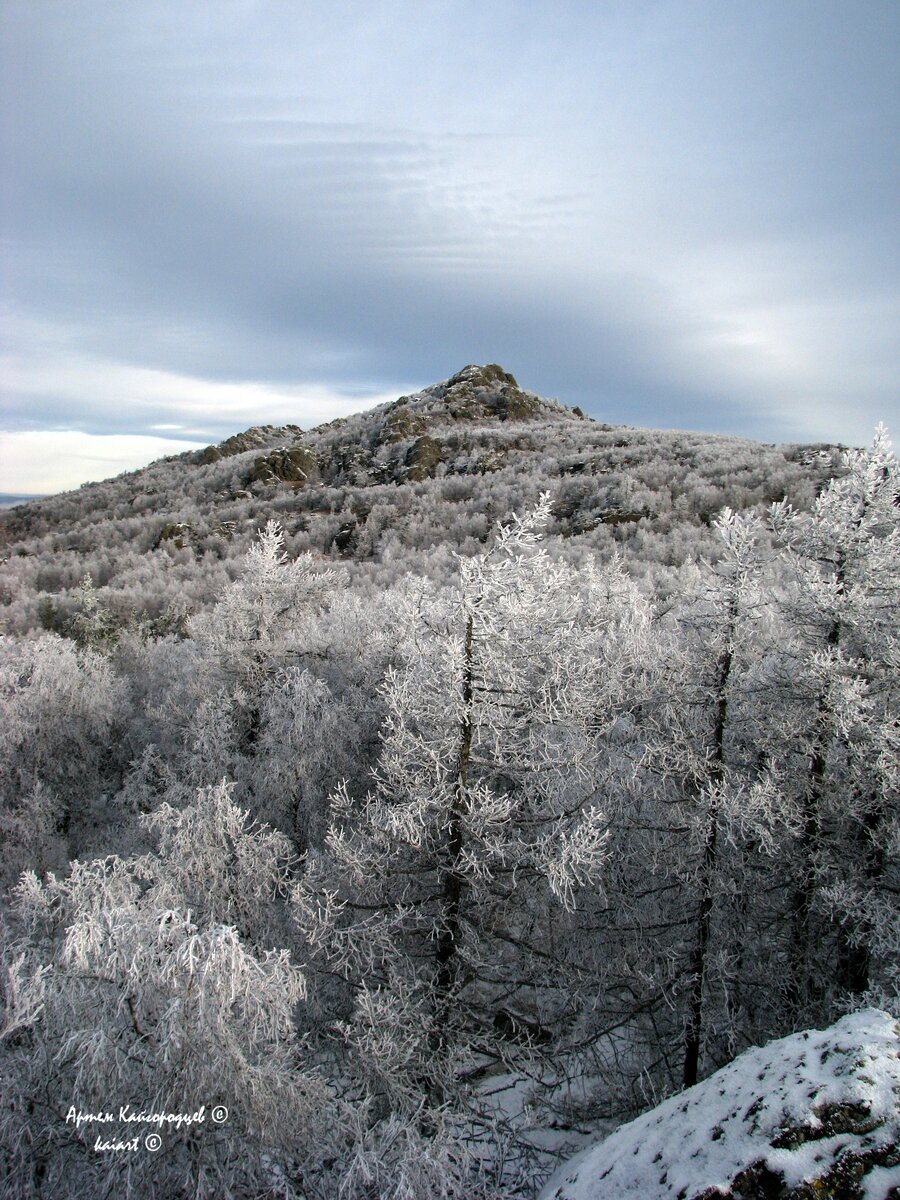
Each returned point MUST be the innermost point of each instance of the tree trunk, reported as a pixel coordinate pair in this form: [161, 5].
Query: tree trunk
[694, 1033]
[804, 992]
[451, 885]
[854, 964]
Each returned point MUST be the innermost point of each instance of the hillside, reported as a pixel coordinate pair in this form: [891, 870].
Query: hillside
[390, 490]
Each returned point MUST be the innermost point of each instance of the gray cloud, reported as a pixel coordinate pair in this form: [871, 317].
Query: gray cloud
[671, 214]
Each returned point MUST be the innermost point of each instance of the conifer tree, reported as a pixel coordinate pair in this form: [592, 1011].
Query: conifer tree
[440, 899]
[839, 732]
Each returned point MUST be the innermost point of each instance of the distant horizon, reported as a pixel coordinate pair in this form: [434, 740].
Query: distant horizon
[10, 499]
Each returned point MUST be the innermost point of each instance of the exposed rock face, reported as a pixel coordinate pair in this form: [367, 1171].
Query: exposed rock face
[259, 436]
[406, 440]
[290, 465]
[813, 1116]
[343, 450]
[478, 392]
[402, 423]
[175, 531]
[422, 458]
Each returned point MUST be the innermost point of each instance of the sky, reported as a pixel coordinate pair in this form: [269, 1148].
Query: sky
[675, 214]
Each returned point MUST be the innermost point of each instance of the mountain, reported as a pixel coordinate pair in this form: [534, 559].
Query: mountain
[392, 489]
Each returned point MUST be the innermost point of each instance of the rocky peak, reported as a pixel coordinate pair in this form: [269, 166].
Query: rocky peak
[484, 376]
[409, 438]
[476, 393]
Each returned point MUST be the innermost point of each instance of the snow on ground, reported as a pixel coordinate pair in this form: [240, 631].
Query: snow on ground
[818, 1105]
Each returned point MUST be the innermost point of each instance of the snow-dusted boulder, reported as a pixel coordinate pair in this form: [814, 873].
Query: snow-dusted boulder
[813, 1116]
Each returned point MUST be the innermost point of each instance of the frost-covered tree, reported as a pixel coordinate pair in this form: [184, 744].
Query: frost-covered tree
[838, 690]
[446, 898]
[716, 787]
[144, 983]
[673, 977]
[258, 624]
[93, 625]
[260, 616]
[214, 701]
[307, 741]
[722, 793]
[59, 708]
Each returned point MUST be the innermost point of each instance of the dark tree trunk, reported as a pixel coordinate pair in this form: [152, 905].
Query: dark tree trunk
[804, 992]
[854, 964]
[698, 962]
[451, 884]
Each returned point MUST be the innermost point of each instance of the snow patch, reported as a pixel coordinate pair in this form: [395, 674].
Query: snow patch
[794, 1108]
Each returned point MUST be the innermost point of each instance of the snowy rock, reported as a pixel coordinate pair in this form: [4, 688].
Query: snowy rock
[813, 1115]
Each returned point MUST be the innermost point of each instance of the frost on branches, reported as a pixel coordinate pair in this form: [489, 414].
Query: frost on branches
[423, 880]
[446, 897]
[841, 749]
[127, 983]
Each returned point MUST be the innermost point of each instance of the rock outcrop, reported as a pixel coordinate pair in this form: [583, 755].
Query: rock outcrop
[813, 1116]
[293, 464]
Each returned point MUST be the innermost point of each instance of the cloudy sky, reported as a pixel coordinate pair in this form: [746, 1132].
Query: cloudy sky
[675, 213]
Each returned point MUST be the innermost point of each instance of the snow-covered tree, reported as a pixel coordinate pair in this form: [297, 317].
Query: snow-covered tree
[59, 708]
[672, 982]
[144, 983]
[838, 683]
[211, 699]
[307, 741]
[446, 897]
[93, 625]
[258, 624]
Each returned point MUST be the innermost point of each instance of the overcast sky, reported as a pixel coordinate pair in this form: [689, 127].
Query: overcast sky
[673, 213]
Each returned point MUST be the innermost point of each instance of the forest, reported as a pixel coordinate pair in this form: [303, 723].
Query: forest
[432, 792]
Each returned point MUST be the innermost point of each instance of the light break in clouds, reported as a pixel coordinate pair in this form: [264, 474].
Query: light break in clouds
[44, 461]
[675, 213]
